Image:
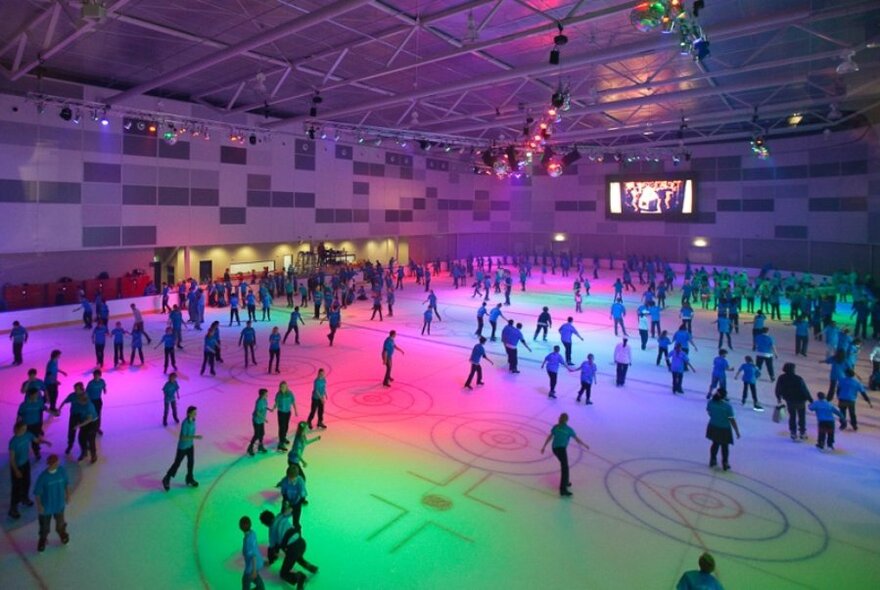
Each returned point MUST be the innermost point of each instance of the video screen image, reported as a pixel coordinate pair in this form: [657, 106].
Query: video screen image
[651, 198]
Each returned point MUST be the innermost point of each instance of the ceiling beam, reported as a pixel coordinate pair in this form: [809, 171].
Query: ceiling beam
[657, 43]
[469, 48]
[83, 28]
[235, 50]
[780, 63]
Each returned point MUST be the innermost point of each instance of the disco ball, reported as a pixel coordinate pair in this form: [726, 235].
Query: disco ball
[647, 16]
[501, 168]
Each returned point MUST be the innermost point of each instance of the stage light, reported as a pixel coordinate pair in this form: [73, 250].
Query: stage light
[66, 114]
[676, 159]
[252, 139]
[600, 158]
[377, 142]
[559, 41]
[571, 157]
[153, 127]
[700, 242]
[448, 148]
[77, 116]
[104, 120]
[311, 133]
[848, 66]
[337, 137]
[360, 139]
[559, 237]
[795, 118]
[554, 169]
[425, 145]
[548, 154]
[316, 100]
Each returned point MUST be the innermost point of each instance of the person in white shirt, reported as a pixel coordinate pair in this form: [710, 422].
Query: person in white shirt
[139, 323]
[623, 359]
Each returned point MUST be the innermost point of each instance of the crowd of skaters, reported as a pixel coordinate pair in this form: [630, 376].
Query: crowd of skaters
[726, 293]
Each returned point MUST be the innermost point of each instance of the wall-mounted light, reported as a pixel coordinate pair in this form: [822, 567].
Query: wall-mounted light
[700, 243]
[559, 237]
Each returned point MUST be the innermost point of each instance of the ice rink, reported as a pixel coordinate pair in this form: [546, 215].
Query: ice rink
[426, 485]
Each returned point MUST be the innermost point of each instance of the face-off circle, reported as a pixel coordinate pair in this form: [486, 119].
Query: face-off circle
[732, 515]
[368, 401]
[498, 442]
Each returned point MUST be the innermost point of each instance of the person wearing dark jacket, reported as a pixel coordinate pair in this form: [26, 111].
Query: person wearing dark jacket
[792, 389]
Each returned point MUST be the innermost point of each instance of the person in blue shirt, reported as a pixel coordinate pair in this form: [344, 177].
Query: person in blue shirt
[678, 364]
[720, 367]
[253, 561]
[168, 340]
[552, 361]
[99, 339]
[766, 352]
[20, 466]
[171, 393]
[663, 343]
[654, 311]
[588, 371]
[251, 303]
[209, 351]
[184, 450]
[720, 429]
[847, 391]
[757, 327]
[248, 338]
[293, 325]
[319, 398]
[561, 434]
[177, 324]
[750, 376]
[481, 314]
[86, 308]
[233, 308]
[95, 389]
[477, 354]
[258, 419]
[266, 300]
[566, 331]
[494, 314]
[334, 319]
[427, 318]
[283, 536]
[19, 336]
[137, 346]
[618, 312]
[723, 323]
[377, 305]
[85, 417]
[118, 334]
[166, 292]
[801, 335]
[293, 492]
[687, 316]
[701, 579]
[275, 349]
[432, 304]
[389, 301]
[837, 372]
[52, 493]
[825, 414]
[284, 402]
[388, 349]
[30, 412]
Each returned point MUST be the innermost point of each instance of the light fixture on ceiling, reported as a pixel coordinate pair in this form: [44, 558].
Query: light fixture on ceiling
[316, 100]
[377, 142]
[795, 119]
[559, 41]
[311, 132]
[252, 139]
[103, 119]
[848, 65]
[66, 114]
[425, 145]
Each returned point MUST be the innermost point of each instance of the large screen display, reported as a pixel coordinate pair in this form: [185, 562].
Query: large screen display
[654, 199]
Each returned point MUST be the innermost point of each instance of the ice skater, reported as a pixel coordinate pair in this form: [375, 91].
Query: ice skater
[792, 389]
[284, 537]
[20, 466]
[258, 420]
[432, 304]
[679, 362]
[319, 398]
[750, 375]
[293, 325]
[544, 323]
[561, 434]
[168, 340]
[623, 361]
[552, 361]
[722, 425]
[52, 494]
[284, 402]
[825, 414]
[185, 450]
[19, 336]
[720, 368]
[388, 350]
[477, 355]
[566, 331]
[253, 561]
[171, 393]
[588, 371]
